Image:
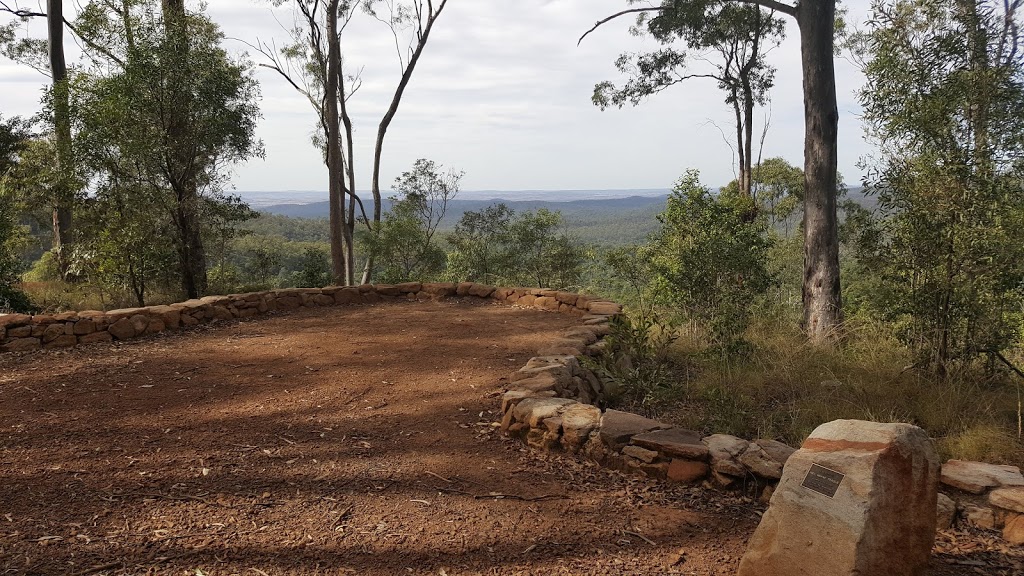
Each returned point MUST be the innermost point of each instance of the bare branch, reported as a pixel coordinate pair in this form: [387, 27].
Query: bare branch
[616, 15]
[770, 4]
[20, 12]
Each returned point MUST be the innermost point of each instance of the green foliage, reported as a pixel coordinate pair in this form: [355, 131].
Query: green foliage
[712, 260]
[14, 137]
[498, 246]
[159, 120]
[634, 363]
[943, 98]
[403, 246]
[315, 271]
[480, 245]
[12, 298]
[740, 34]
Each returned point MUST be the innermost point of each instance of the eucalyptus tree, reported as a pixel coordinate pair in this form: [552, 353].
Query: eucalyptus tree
[313, 64]
[734, 38]
[943, 99]
[822, 300]
[162, 113]
[62, 194]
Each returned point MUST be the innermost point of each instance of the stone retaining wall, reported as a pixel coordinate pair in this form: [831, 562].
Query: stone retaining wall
[23, 333]
[553, 403]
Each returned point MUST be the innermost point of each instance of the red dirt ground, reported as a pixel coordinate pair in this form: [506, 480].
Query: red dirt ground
[336, 441]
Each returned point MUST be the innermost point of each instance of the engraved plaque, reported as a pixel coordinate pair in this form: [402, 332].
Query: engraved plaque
[822, 480]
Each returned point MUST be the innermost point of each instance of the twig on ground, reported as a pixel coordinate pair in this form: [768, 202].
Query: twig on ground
[640, 536]
[439, 477]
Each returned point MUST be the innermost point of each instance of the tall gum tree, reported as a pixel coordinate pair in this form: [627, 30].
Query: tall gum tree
[63, 194]
[734, 38]
[314, 65]
[822, 299]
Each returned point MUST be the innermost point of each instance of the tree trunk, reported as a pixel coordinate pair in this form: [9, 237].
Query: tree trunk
[335, 164]
[747, 172]
[181, 166]
[822, 298]
[385, 122]
[63, 194]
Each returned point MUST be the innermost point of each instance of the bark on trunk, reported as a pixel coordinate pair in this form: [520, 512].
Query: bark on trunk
[180, 163]
[385, 122]
[63, 194]
[335, 163]
[821, 287]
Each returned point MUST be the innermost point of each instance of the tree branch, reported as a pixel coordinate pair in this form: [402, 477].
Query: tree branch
[769, 4]
[616, 15]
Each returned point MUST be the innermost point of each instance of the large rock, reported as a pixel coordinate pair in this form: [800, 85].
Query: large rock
[1011, 498]
[22, 345]
[725, 449]
[757, 460]
[533, 411]
[123, 329]
[677, 442]
[1013, 531]
[945, 512]
[857, 498]
[618, 428]
[578, 421]
[979, 477]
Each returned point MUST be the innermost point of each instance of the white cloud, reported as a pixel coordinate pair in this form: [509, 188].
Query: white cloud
[503, 92]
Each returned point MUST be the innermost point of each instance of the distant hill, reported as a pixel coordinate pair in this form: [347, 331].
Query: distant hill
[600, 221]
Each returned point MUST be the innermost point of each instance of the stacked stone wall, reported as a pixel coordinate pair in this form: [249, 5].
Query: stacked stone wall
[553, 403]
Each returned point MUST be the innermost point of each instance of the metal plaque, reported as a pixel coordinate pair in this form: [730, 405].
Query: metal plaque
[822, 480]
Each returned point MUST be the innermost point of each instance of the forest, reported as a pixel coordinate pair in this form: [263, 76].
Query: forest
[761, 308]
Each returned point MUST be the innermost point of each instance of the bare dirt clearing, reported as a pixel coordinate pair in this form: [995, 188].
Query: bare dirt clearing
[334, 441]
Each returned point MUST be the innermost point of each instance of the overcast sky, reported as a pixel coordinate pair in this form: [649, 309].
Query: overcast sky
[503, 93]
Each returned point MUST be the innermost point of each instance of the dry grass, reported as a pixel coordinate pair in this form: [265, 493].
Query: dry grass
[784, 387]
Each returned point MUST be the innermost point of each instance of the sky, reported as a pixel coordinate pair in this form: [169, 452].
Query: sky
[502, 93]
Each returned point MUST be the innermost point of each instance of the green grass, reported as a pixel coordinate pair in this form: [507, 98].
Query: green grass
[783, 387]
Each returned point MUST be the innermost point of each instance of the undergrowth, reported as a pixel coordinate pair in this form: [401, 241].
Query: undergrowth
[782, 387]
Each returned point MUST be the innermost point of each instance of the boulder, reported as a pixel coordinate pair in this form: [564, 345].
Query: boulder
[618, 428]
[604, 308]
[538, 383]
[52, 332]
[724, 450]
[350, 295]
[757, 460]
[945, 512]
[19, 332]
[14, 320]
[22, 345]
[480, 290]
[580, 333]
[1010, 498]
[63, 341]
[778, 451]
[322, 300]
[1013, 530]
[675, 442]
[578, 421]
[979, 477]
[641, 454]
[533, 411]
[979, 516]
[123, 329]
[409, 287]
[857, 498]
[84, 327]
